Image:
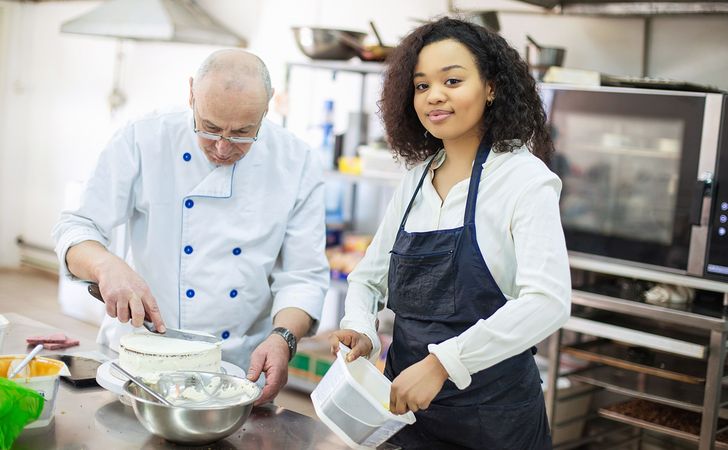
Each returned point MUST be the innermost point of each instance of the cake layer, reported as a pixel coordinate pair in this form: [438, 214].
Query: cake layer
[146, 354]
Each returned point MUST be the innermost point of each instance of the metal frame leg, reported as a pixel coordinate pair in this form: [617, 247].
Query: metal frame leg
[713, 382]
[554, 347]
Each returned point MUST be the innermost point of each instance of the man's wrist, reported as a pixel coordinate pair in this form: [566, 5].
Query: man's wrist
[290, 339]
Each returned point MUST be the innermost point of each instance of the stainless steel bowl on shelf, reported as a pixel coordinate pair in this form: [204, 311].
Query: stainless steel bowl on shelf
[213, 413]
[328, 43]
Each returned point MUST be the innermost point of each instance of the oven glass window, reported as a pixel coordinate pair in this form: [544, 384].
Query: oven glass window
[620, 174]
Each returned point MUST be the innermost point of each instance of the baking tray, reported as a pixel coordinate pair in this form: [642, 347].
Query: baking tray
[640, 359]
[83, 370]
[662, 419]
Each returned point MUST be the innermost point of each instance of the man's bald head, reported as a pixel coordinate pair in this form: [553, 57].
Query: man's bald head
[229, 97]
[235, 69]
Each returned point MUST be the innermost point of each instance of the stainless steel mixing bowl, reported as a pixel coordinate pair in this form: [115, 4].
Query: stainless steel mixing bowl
[194, 424]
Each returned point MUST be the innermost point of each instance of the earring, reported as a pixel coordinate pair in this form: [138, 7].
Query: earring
[490, 101]
[426, 134]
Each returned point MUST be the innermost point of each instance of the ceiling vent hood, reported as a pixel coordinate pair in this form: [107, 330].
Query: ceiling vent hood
[154, 20]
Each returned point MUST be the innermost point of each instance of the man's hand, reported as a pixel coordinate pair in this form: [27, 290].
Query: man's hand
[125, 293]
[271, 357]
[359, 343]
[415, 387]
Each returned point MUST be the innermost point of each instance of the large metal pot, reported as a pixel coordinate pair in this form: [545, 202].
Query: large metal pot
[328, 43]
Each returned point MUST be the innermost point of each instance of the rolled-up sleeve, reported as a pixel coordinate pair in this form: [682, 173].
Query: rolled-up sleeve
[300, 277]
[106, 201]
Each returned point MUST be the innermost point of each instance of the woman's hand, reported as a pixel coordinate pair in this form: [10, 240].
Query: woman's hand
[359, 343]
[416, 386]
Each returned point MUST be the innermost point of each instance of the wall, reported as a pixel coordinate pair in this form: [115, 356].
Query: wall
[54, 116]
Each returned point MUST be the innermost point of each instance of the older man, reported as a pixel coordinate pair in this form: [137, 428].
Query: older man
[225, 221]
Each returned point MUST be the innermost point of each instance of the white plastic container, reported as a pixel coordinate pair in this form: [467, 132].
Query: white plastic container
[43, 376]
[3, 326]
[351, 400]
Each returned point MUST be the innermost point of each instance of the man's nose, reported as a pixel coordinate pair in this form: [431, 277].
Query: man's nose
[223, 147]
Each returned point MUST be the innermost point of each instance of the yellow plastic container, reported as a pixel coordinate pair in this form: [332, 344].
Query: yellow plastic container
[43, 376]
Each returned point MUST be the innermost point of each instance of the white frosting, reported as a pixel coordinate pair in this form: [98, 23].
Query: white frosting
[213, 395]
[147, 354]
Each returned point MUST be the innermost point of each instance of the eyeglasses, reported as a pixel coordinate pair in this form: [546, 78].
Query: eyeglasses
[217, 137]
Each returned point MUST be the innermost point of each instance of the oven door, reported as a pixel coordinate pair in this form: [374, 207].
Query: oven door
[628, 160]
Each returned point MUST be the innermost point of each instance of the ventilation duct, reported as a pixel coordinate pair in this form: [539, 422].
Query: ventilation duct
[154, 20]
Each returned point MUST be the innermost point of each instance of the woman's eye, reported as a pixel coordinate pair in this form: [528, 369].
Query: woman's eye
[420, 86]
[452, 81]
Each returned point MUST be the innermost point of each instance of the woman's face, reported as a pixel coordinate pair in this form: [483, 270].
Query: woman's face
[450, 95]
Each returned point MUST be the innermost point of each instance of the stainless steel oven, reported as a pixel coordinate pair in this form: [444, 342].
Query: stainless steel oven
[645, 175]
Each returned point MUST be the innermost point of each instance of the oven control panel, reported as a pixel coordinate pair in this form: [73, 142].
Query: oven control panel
[716, 266]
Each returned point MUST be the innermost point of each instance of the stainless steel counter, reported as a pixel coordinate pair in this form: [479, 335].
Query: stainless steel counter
[93, 418]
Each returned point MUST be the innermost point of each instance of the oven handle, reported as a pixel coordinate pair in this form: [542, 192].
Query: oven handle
[701, 189]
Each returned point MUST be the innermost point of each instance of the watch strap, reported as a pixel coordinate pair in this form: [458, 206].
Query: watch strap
[290, 339]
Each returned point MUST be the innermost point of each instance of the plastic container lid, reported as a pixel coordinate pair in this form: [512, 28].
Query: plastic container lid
[352, 399]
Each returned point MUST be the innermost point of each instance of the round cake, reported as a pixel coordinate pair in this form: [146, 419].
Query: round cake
[147, 354]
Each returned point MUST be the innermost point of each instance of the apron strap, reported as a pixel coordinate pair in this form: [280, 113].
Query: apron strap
[417, 189]
[480, 157]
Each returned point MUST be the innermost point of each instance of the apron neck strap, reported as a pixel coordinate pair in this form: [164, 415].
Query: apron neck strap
[480, 158]
[417, 189]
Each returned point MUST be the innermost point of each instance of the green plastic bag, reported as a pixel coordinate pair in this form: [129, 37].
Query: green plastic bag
[18, 407]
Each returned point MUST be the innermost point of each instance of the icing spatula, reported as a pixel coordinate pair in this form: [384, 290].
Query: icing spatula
[94, 290]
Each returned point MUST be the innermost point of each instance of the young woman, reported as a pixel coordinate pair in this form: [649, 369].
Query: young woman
[470, 253]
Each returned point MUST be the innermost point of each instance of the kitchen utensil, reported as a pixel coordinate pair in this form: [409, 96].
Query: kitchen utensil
[20, 366]
[327, 43]
[113, 381]
[3, 325]
[173, 333]
[376, 33]
[194, 425]
[533, 41]
[149, 391]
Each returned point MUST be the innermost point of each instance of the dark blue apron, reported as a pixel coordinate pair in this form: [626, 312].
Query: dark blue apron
[439, 286]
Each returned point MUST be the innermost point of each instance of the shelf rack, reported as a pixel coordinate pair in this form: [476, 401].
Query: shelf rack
[709, 399]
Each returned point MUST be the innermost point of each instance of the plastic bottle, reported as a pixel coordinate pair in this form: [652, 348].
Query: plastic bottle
[326, 150]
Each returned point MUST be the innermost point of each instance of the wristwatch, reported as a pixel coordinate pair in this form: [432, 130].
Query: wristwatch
[290, 338]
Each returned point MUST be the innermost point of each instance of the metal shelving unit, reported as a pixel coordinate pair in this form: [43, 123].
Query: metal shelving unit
[361, 67]
[700, 341]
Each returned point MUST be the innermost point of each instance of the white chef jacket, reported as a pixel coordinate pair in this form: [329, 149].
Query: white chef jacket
[222, 248]
[518, 229]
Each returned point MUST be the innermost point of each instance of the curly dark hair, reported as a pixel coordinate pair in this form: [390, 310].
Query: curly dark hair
[515, 117]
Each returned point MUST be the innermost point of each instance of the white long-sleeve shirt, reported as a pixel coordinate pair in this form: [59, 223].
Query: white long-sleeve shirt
[519, 232]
